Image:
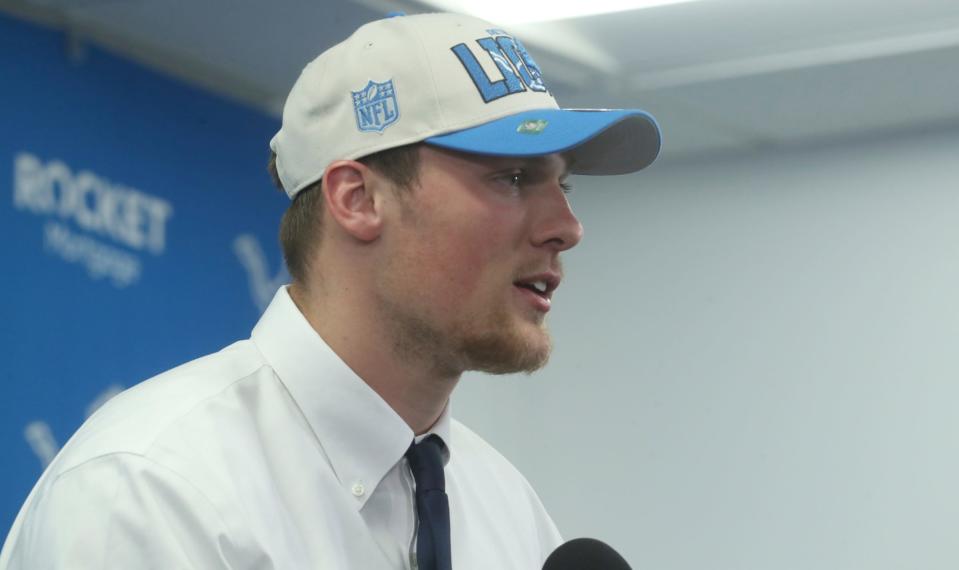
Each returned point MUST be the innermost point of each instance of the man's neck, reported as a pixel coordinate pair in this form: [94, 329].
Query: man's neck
[415, 389]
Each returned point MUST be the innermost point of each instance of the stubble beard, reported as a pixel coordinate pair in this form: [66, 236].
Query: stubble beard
[494, 344]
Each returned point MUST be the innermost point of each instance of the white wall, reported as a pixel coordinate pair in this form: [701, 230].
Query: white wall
[756, 363]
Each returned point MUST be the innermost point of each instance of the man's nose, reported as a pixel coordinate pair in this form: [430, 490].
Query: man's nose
[557, 225]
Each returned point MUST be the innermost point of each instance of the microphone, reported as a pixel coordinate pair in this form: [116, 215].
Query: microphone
[585, 554]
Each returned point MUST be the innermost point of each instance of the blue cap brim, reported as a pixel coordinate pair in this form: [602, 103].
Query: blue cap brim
[601, 141]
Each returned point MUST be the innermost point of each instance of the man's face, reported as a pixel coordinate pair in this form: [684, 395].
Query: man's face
[468, 246]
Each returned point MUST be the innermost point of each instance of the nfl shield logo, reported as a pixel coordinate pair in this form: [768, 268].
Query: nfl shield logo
[375, 106]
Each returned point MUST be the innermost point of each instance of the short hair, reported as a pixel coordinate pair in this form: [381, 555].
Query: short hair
[302, 223]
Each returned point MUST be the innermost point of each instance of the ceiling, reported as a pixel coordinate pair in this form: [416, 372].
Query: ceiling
[719, 75]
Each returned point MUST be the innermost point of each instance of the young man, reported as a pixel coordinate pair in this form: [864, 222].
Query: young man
[427, 163]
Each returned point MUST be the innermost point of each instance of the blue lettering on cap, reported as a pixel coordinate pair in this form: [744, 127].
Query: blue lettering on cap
[514, 63]
[523, 62]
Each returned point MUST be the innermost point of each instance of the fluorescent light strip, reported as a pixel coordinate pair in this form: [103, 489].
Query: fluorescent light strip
[527, 11]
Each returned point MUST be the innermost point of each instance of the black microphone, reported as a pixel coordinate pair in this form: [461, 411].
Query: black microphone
[585, 554]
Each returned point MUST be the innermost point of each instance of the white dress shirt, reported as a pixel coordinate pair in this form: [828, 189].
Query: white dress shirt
[270, 454]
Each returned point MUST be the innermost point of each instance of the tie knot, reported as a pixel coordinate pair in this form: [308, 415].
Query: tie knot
[426, 464]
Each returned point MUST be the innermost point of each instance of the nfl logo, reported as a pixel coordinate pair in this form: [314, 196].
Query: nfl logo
[375, 106]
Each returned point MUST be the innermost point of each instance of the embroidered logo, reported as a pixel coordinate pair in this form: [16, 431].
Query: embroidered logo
[375, 106]
[532, 127]
[516, 66]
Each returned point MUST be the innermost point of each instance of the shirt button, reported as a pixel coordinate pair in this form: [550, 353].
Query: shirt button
[358, 489]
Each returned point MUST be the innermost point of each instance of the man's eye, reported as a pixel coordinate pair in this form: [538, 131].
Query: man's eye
[514, 180]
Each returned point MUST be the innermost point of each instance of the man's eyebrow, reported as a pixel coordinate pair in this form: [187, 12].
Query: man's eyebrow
[541, 163]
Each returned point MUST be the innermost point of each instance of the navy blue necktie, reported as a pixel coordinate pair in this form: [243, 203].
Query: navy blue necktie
[432, 505]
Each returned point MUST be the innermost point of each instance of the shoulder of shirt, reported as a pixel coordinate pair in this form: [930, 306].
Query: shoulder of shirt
[471, 451]
[492, 477]
[132, 421]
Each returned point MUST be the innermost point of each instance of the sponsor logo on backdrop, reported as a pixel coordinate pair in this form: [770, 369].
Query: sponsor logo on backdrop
[262, 285]
[88, 216]
[40, 437]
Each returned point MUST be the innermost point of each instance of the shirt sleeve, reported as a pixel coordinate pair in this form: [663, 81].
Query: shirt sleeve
[122, 511]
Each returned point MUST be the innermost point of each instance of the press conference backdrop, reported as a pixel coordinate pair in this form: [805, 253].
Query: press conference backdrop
[138, 228]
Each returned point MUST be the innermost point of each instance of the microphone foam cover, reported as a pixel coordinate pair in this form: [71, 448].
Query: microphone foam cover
[585, 554]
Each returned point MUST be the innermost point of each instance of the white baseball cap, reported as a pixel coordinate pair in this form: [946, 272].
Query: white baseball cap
[451, 81]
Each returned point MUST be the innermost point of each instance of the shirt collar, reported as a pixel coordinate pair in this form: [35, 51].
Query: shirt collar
[362, 436]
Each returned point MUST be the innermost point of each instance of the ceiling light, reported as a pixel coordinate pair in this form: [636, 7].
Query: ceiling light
[525, 11]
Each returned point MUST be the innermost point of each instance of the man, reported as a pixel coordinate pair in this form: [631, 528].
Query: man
[427, 164]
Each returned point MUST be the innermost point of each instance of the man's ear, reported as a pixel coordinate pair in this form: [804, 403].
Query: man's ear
[347, 191]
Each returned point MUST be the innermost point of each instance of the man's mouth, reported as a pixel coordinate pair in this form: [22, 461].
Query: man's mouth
[538, 287]
[542, 284]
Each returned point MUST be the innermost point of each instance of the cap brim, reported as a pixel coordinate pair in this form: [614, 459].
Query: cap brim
[598, 141]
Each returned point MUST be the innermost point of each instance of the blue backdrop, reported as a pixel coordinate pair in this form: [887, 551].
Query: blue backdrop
[139, 232]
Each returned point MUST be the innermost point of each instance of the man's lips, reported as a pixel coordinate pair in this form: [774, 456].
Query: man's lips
[538, 301]
[542, 283]
[538, 288]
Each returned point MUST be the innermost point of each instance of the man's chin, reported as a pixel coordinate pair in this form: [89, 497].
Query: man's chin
[509, 352]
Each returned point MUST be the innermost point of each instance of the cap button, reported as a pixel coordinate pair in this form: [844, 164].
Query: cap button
[395, 14]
